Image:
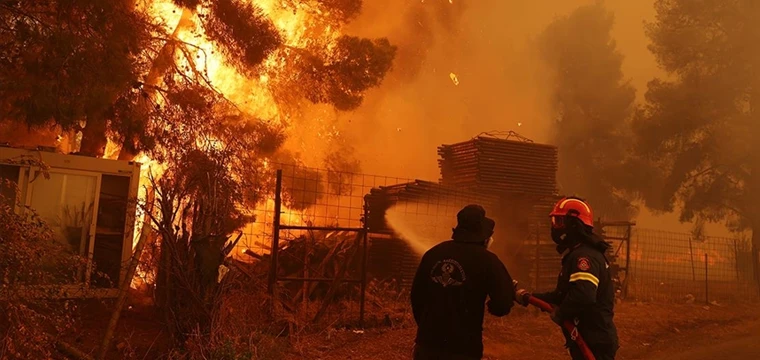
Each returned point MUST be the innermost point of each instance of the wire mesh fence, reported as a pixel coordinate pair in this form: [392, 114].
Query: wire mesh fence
[618, 235]
[667, 266]
[323, 210]
[316, 198]
[322, 242]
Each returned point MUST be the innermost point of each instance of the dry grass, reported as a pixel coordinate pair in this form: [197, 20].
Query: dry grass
[247, 332]
[246, 327]
[643, 328]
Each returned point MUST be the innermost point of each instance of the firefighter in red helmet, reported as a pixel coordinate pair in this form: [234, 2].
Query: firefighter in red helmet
[585, 292]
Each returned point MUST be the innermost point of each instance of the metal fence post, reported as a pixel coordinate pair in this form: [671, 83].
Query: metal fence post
[736, 259]
[538, 258]
[364, 266]
[627, 261]
[275, 233]
[691, 253]
[707, 297]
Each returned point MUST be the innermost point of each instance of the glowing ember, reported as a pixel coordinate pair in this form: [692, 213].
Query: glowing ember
[454, 78]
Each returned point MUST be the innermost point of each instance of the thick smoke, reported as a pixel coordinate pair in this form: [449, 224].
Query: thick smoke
[490, 46]
[503, 84]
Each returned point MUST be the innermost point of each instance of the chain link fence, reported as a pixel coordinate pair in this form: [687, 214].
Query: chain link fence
[668, 266]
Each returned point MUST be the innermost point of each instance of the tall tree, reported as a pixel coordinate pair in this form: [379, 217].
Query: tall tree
[592, 104]
[700, 128]
[242, 31]
[88, 64]
[214, 157]
[342, 77]
[65, 62]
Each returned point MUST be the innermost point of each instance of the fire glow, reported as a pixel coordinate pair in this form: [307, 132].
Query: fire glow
[262, 92]
[252, 94]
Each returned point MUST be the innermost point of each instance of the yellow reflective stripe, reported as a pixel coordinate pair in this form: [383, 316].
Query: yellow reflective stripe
[585, 276]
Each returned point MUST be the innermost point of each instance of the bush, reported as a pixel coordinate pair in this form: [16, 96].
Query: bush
[30, 258]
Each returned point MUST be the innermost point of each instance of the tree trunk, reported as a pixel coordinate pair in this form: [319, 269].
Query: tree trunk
[751, 195]
[165, 59]
[94, 137]
[163, 62]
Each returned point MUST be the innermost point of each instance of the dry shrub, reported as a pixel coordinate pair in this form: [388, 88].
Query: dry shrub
[245, 324]
[241, 326]
[30, 257]
[388, 304]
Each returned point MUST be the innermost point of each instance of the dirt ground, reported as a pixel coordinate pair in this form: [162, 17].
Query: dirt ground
[140, 333]
[744, 346]
[647, 332]
[742, 342]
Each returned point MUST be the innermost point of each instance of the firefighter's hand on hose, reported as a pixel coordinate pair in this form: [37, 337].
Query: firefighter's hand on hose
[522, 296]
[555, 316]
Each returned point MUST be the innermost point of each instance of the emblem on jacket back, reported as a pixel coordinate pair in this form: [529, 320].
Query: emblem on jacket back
[448, 273]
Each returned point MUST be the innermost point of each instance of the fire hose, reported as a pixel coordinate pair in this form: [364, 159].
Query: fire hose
[569, 325]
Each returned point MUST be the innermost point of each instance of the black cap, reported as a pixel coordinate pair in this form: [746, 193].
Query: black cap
[470, 218]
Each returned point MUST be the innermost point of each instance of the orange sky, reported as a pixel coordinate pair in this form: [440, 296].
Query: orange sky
[501, 84]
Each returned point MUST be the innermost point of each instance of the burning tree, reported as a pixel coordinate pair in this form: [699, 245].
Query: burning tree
[203, 90]
[212, 159]
[593, 104]
[65, 63]
[85, 64]
[699, 129]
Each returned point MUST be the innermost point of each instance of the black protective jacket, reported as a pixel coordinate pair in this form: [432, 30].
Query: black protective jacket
[449, 296]
[585, 292]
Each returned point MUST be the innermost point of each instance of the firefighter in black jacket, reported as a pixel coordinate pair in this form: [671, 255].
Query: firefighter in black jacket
[585, 291]
[450, 289]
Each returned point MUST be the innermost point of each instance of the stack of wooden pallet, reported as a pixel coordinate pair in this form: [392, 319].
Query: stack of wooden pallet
[500, 165]
[514, 180]
[524, 175]
[391, 258]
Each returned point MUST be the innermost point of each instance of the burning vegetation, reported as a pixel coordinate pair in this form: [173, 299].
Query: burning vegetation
[202, 93]
[119, 72]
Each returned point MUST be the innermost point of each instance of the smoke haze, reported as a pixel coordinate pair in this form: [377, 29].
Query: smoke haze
[490, 46]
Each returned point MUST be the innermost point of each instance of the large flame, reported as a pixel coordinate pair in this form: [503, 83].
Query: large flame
[298, 29]
[253, 95]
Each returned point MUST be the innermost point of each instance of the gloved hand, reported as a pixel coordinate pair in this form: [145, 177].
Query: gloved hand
[555, 315]
[522, 296]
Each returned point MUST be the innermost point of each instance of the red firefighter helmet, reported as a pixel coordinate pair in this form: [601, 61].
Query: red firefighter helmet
[571, 206]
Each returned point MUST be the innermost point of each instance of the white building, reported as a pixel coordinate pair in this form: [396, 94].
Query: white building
[89, 203]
